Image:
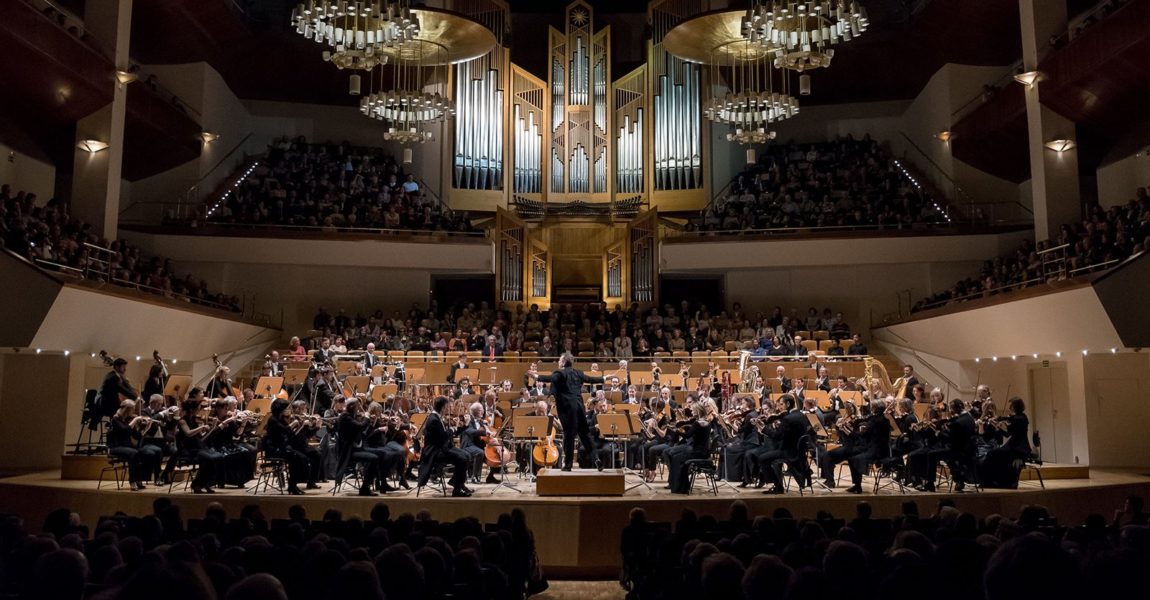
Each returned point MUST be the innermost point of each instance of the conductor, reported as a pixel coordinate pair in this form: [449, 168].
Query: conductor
[567, 386]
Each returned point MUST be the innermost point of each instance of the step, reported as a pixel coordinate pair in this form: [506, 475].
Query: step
[580, 482]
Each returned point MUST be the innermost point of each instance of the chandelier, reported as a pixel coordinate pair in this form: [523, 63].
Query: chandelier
[411, 95]
[359, 33]
[754, 100]
[800, 34]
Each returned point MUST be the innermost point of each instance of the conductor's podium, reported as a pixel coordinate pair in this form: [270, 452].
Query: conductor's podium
[580, 482]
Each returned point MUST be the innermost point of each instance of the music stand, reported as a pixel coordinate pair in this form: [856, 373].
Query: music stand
[417, 421]
[530, 429]
[380, 393]
[268, 387]
[358, 384]
[622, 427]
[177, 386]
[821, 433]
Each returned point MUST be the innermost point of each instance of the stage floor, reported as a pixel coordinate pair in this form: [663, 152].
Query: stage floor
[576, 536]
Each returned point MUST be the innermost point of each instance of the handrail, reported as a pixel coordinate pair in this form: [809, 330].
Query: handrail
[714, 197]
[812, 229]
[959, 113]
[950, 383]
[193, 190]
[200, 230]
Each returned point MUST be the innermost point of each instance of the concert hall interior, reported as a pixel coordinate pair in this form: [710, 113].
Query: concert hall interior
[644, 299]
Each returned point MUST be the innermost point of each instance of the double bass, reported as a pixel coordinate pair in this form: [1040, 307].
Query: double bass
[494, 452]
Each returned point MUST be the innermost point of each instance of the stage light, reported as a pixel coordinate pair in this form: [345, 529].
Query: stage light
[994, 358]
[37, 351]
[1035, 355]
[1085, 352]
[976, 359]
[137, 358]
[1113, 350]
[1013, 357]
[1058, 354]
[67, 352]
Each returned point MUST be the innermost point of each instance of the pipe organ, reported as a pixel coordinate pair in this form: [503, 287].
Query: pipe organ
[675, 85]
[527, 126]
[580, 119]
[630, 96]
[477, 162]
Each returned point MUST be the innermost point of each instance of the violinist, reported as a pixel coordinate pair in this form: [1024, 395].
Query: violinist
[190, 433]
[998, 468]
[463, 389]
[793, 425]
[278, 444]
[696, 436]
[632, 395]
[734, 460]
[329, 454]
[304, 427]
[438, 448]
[847, 426]
[318, 389]
[924, 439]
[906, 421]
[376, 441]
[658, 437]
[873, 445]
[350, 433]
[602, 448]
[125, 434]
[239, 459]
[989, 434]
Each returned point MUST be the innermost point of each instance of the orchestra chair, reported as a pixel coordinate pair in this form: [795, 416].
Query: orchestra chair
[810, 345]
[353, 471]
[707, 467]
[661, 356]
[270, 473]
[945, 473]
[721, 354]
[511, 356]
[185, 464]
[439, 473]
[804, 333]
[889, 469]
[585, 346]
[415, 356]
[1032, 465]
[681, 354]
[729, 346]
[822, 334]
[787, 466]
[118, 467]
[825, 345]
[700, 356]
[530, 355]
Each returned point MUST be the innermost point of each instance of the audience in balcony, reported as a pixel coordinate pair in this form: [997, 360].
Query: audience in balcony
[334, 187]
[951, 554]
[844, 183]
[247, 555]
[50, 237]
[589, 328]
[1103, 238]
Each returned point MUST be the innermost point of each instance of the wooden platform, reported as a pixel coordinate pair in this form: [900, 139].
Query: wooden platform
[580, 482]
[577, 536]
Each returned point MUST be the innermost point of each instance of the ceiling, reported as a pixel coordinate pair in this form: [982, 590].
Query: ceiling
[261, 58]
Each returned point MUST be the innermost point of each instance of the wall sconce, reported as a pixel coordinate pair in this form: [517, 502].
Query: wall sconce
[1060, 145]
[209, 137]
[1028, 78]
[92, 146]
[943, 136]
[123, 78]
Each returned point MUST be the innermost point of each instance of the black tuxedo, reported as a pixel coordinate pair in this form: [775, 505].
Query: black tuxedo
[438, 448]
[370, 360]
[567, 387]
[790, 450]
[784, 384]
[110, 391]
[909, 387]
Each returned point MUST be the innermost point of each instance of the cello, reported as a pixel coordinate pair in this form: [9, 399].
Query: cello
[494, 452]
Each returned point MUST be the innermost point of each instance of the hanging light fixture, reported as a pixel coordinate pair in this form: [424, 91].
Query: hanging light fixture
[757, 93]
[411, 95]
[800, 34]
[358, 34]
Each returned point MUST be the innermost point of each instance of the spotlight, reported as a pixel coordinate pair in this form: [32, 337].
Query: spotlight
[1058, 354]
[1085, 352]
[137, 358]
[1035, 355]
[1113, 350]
[976, 359]
[67, 352]
[37, 351]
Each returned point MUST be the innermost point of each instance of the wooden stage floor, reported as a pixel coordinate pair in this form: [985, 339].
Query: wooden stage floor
[578, 536]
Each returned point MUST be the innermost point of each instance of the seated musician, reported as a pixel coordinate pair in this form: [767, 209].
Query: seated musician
[696, 436]
[793, 426]
[917, 393]
[239, 459]
[781, 381]
[659, 437]
[114, 388]
[377, 441]
[988, 433]
[125, 435]
[836, 348]
[632, 396]
[463, 389]
[460, 363]
[306, 426]
[823, 379]
[906, 420]
[190, 435]
[161, 433]
[924, 439]
[350, 430]
[604, 448]
[277, 443]
[733, 459]
[956, 446]
[438, 448]
[472, 440]
[999, 469]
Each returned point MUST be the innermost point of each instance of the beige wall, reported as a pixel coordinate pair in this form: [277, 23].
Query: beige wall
[1118, 408]
[1118, 180]
[25, 173]
[33, 399]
